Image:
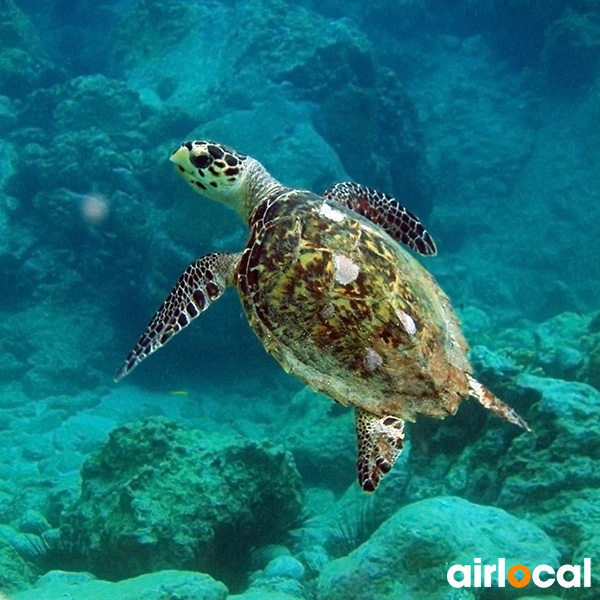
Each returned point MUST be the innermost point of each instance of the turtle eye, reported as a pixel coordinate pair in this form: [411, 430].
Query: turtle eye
[215, 151]
[200, 161]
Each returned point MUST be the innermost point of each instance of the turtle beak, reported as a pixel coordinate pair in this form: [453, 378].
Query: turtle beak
[180, 156]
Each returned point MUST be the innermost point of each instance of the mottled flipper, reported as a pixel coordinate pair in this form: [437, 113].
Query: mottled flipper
[380, 442]
[200, 285]
[487, 399]
[385, 211]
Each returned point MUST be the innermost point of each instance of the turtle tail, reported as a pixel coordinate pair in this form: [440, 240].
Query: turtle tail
[487, 399]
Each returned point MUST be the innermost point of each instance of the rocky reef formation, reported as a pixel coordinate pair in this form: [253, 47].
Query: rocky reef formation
[57, 585]
[548, 477]
[565, 346]
[160, 496]
[552, 477]
[485, 111]
[15, 572]
[24, 64]
[56, 200]
[573, 39]
[546, 481]
[409, 555]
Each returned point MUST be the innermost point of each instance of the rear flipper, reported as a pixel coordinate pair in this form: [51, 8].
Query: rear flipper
[380, 442]
[487, 399]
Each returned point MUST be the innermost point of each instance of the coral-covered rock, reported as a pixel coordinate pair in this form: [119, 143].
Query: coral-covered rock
[23, 62]
[149, 29]
[552, 476]
[75, 227]
[409, 555]
[363, 111]
[79, 132]
[57, 585]
[15, 573]
[290, 592]
[568, 347]
[589, 548]
[281, 579]
[571, 55]
[50, 355]
[160, 496]
[562, 454]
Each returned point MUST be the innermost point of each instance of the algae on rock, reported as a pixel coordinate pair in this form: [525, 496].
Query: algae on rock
[15, 573]
[58, 585]
[159, 496]
[409, 555]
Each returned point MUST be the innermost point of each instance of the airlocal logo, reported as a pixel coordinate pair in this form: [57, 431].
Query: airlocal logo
[519, 576]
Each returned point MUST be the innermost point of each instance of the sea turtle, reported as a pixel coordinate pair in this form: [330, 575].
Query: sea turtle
[333, 296]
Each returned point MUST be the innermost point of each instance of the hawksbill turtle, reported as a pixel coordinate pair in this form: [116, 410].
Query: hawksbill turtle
[333, 296]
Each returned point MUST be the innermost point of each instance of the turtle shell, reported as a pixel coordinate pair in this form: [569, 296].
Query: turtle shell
[347, 310]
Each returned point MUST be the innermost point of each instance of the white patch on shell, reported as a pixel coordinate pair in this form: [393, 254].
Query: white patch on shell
[372, 360]
[407, 321]
[344, 269]
[331, 213]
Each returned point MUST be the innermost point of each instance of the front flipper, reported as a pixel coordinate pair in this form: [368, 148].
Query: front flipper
[380, 442]
[200, 285]
[385, 211]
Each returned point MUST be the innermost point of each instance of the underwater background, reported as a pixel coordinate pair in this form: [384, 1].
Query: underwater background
[209, 473]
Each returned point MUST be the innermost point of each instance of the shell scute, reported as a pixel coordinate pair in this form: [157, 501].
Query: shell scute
[353, 314]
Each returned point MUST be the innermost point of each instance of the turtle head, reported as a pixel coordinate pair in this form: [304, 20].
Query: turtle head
[222, 174]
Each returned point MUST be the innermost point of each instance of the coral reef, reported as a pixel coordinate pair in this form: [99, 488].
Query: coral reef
[548, 477]
[24, 65]
[574, 39]
[552, 477]
[15, 573]
[57, 585]
[409, 555]
[484, 113]
[158, 496]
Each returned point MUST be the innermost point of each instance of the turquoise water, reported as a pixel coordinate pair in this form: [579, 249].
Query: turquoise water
[209, 472]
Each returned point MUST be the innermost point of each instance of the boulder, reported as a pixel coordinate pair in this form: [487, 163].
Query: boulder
[409, 555]
[58, 585]
[160, 496]
[571, 40]
[561, 455]
[15, 573]
[552, 477]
